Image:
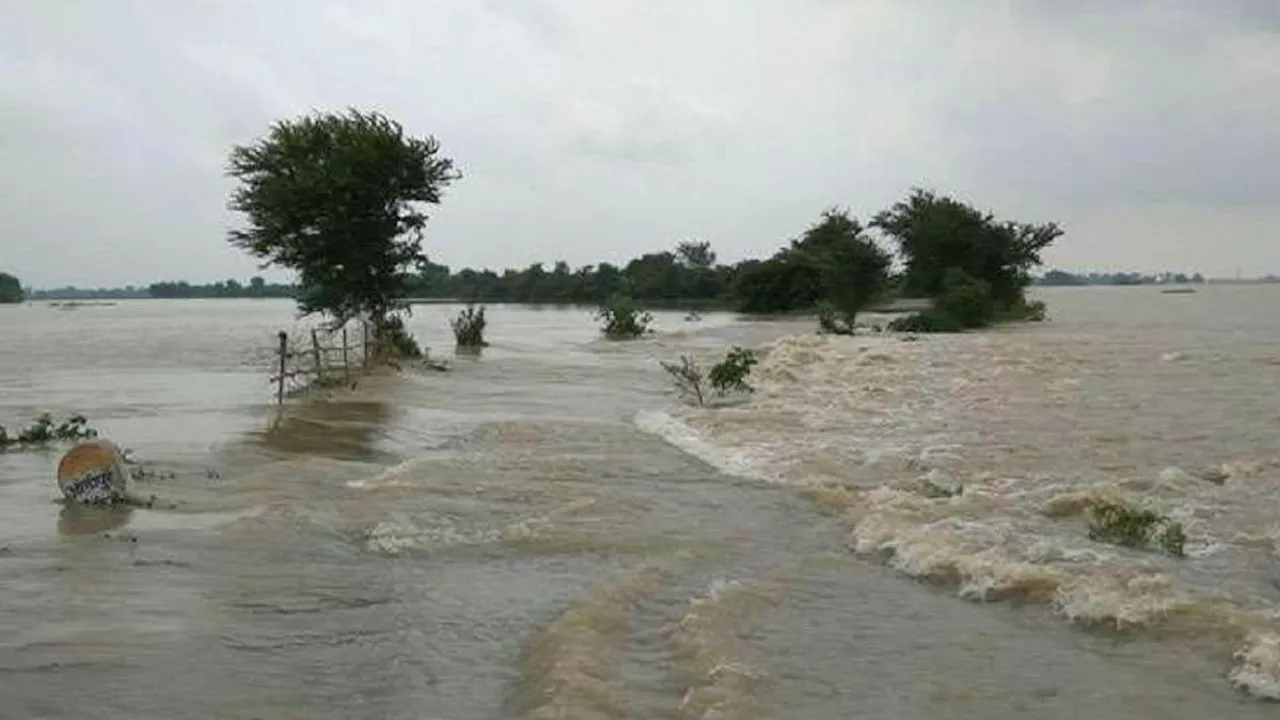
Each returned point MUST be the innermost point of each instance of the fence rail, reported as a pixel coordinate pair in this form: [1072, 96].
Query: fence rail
[324, 358]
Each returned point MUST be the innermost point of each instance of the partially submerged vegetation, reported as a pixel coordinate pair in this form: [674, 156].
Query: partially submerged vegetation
[971, 266]
[468, 327]
[725, 377]
[363, 257]
[622, 319]
[1118, 523]
[11, 289]
[44, 431]
[352, 257]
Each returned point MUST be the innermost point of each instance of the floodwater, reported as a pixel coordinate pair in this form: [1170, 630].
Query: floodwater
[547, 532]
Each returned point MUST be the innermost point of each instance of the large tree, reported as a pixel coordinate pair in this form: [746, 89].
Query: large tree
[10, 289]
[939, 235]
[834, 265]
[339, 198]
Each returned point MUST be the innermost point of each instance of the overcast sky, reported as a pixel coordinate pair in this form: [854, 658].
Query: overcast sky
[593, 130]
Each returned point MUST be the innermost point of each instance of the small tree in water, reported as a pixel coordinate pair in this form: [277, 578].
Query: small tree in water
[468, 327]
[10, 289]
[338, 198]
[622, 320]
[728, 375]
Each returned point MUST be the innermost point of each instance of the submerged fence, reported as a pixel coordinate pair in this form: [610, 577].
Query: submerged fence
[321, 358]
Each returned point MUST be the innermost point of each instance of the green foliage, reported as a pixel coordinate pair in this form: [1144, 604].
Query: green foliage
[44, 431]
[468, 327]
[338, 198]
[731, 374]
[830, 320]
[394, 341]
[965, 299]
[936, 234]
[1026, 311]
[969, 263]
[696, 254]
[833, 265]
[687, 377]
[622, 320]
[965, 303]
[10, 289]
[728, 375]
[255, 288]
[974, 267]
[1121, 524]
[927, 321]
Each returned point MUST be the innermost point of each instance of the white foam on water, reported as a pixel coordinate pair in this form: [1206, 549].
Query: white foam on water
[1139, 600]
[159, 520]
[399, 538]
[1257, 669]
[567, 667]
[689, 440]
[705, 646]
[972, 462]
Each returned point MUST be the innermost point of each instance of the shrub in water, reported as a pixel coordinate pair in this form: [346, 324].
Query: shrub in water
[687, 376]
[966, 299]
[622, 320]
[1121, 524]
[395, 340]
[831, 321]
[731, 373]
[728, 375]
[1025, 311]
[927, 321]
[44, 431]
[468, 327]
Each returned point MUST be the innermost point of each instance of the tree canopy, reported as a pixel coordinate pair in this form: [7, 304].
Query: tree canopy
[339, 198]
[938, 234]
[833, 263]
[976, 269]
[10, 289]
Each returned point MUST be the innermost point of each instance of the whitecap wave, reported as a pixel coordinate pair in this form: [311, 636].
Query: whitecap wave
[686, 438]
[1257, 669]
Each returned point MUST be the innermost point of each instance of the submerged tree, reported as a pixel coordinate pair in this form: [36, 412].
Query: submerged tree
[834, 267]
[975, 268]
[939, 235]
[339, 198]
[10, 289]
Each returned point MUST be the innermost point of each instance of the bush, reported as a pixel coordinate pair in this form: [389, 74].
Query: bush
[966, 299]
[687, 376]
[1026, 311]
[927, 321]
[622, 320]
[832, 321]
[1121, 524]
[731, 373]
[44, 432]
[728, 375]
[395, 341]
[468, 327]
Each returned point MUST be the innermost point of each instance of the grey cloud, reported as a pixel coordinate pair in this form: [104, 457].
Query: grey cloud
[594, 131]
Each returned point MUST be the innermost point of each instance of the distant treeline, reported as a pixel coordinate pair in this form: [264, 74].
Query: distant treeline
[690, 274]
[255, 288]
[1059, 277]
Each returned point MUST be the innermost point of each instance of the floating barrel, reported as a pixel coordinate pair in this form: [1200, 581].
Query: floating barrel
[93, 472]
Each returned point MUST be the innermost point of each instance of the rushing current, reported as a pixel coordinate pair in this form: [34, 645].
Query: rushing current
[547, 531]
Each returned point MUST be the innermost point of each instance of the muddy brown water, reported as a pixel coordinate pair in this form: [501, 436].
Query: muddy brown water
[546, 532]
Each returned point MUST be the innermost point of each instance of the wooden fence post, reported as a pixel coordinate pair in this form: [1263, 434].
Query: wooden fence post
[284, 356]
[315, 351]
[346, 369]
[364, 325]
